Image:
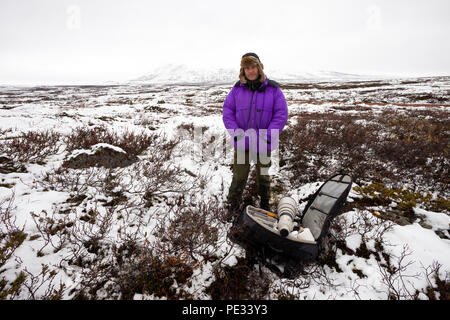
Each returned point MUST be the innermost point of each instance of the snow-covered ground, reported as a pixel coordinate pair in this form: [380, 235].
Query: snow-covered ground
[168, 108]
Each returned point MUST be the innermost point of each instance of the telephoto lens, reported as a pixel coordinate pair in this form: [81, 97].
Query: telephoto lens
[287, 210]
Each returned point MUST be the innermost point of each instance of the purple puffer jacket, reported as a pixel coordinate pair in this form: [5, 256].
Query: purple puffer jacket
[255, 116]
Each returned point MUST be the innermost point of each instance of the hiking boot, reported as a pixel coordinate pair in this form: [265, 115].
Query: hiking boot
[265, 205]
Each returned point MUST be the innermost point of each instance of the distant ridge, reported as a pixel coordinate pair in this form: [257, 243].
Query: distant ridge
[184, 74]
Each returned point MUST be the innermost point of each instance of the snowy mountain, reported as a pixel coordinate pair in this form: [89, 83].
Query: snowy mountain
[184, 74]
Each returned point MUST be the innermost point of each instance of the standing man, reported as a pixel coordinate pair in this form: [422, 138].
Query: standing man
[254, 113]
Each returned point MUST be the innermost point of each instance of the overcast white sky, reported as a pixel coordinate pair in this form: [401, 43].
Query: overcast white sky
[44, 41]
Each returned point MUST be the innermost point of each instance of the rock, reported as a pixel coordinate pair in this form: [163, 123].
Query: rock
[4, 158]
[7, 165]
[424, 225]
[99, 155]
[403, 221]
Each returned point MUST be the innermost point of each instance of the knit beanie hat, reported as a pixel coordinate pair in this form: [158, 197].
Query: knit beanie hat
[250, 59]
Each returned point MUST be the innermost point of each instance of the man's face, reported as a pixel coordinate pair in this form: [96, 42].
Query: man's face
[251, 72]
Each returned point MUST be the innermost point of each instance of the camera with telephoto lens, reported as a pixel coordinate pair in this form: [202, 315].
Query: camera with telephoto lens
[287, 210]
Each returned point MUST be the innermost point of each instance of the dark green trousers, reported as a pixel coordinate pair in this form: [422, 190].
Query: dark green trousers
[240, 176]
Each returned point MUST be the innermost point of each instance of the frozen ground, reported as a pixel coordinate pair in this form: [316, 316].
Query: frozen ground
[171, 109]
